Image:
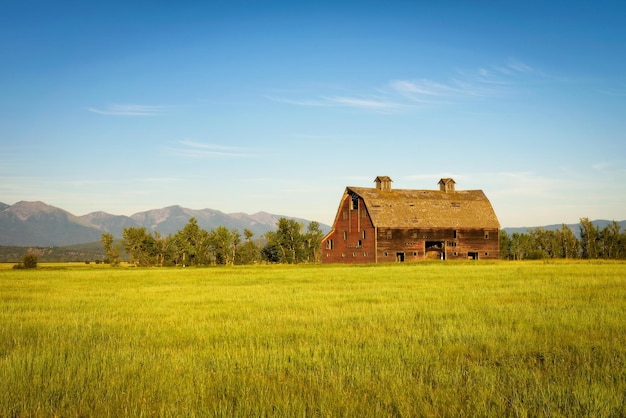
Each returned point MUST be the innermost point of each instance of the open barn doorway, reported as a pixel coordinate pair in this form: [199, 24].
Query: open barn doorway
[435, 250]
[400, 257]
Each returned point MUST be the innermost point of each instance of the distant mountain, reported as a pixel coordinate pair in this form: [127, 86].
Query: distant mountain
[600, 223]
[35, 223]
[113, 224]
[39, 224]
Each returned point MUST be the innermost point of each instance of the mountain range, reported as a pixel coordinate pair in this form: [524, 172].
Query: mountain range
[39, 224]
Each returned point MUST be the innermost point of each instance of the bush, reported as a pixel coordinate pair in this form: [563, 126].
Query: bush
[29, 261]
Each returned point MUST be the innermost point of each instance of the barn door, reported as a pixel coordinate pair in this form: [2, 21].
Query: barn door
[400, 257]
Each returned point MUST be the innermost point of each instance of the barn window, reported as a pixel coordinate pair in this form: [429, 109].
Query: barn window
[363, 236]
[455, 233]
[386, 253]
[414, 254]
[486, 234]
[355, 202]
[389, 234]
[455, 253]
[345, 235]
[359, 244]
[329, 244]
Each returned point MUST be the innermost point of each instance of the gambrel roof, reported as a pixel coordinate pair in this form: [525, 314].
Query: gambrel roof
[427, 208]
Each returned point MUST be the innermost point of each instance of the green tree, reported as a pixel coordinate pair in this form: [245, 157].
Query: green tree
[567, 242]
[112, 253]
[164, 249]
[249, 252]
[222, 244]
[505, 246]
[610, 238]
[313, 242]
[521, 245]
[139, 245]
[589, 239]
[621, 250]
[271, 252]
[236, 236]
[289, 240]
[192, 243]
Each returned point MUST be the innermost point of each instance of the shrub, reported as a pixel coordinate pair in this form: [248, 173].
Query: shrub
[29, 261]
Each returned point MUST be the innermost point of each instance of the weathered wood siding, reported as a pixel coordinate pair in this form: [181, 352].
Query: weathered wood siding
[449, 244]
[353, 239]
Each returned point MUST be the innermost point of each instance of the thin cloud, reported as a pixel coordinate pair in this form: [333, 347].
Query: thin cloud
[343, 101]
[364, 103]
[520, 67]
[430, 91]
[298, 102]
[193, 149]
[130, 110]
[404, 94]
[424, 87]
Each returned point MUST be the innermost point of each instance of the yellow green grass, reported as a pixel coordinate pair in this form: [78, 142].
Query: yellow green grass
[440, 339]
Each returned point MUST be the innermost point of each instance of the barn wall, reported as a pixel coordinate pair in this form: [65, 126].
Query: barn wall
[449, 244]
[353, 236]
[484, 242]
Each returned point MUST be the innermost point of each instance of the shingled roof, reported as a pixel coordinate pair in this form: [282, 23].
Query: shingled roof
[427, 208]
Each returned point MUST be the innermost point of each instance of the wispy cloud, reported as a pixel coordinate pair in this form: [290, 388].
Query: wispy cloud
[371, 103]
[365, 103]
[430, 91]
[130, 110]
[194, 149]
[403, 94]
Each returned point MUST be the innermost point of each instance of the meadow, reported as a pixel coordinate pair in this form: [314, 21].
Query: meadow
[430, 339]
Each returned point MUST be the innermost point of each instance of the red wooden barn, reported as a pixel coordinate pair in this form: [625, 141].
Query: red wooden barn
[381, 224]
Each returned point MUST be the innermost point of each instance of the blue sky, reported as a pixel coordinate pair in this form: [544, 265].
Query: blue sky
[278, 106]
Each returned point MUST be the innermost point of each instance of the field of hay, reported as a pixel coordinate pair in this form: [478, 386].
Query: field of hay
[426, 339]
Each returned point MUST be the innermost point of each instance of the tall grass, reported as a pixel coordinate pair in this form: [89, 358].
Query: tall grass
[441, 339]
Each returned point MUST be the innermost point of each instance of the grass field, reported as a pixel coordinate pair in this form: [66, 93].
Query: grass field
[429, 339]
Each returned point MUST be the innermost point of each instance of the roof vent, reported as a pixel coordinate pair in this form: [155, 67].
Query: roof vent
[383, 183]
[446, 185]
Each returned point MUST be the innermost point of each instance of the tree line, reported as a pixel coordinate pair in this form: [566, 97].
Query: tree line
[290, 243]
[194, 246]
[592, 243]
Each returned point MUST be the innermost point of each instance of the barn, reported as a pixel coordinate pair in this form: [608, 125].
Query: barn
[381, 224]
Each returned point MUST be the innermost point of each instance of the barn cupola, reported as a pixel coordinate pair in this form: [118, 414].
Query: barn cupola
[446, 185]
[383, 183]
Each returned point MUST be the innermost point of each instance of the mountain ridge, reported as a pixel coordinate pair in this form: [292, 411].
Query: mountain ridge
[39, 224]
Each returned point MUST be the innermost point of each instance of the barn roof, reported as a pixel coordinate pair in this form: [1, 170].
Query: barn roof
[401, 208]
